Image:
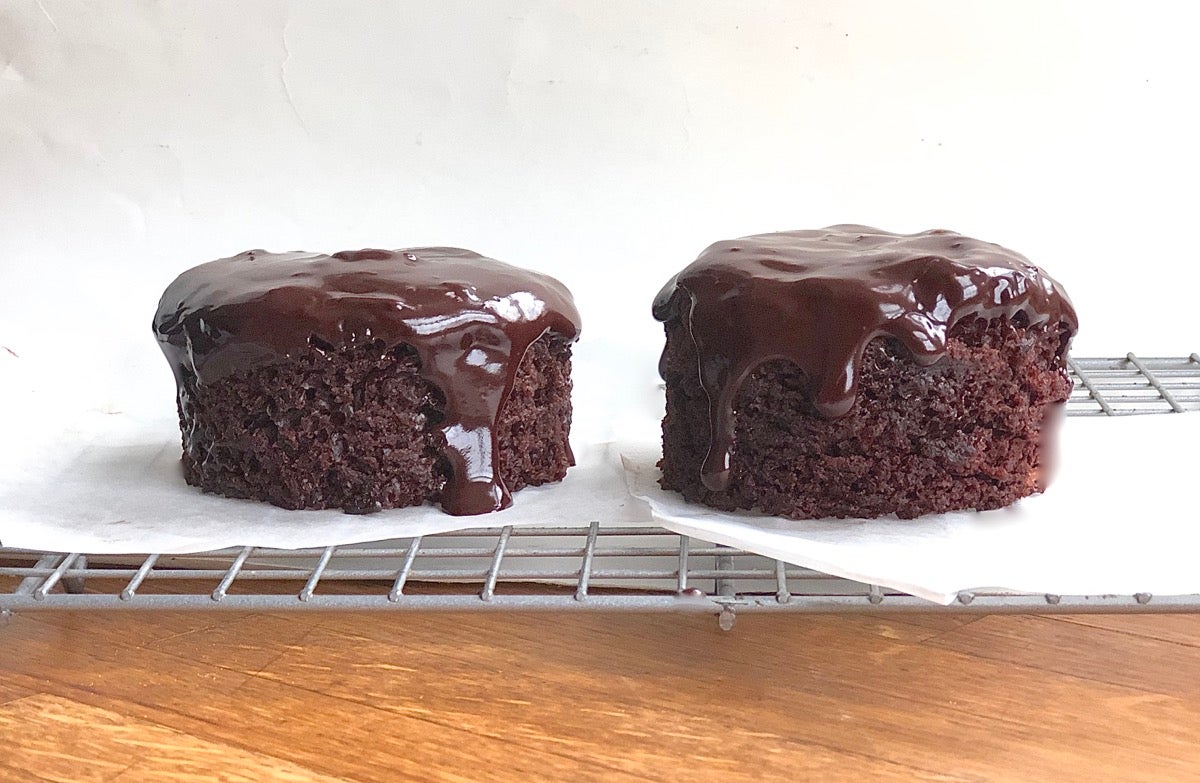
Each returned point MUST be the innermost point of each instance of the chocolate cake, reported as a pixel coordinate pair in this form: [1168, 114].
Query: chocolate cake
[370, 379]
[853, 372]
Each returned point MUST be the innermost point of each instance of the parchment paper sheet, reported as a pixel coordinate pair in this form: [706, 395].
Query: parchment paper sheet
[112, 483]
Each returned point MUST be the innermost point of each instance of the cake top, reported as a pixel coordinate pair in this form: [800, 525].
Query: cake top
[470, 319]
[818, 297]
[258, 307]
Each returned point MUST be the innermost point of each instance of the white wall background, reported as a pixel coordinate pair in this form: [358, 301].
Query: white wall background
[604, 142]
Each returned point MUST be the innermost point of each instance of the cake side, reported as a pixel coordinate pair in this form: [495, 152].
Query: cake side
[535, 423]
[358, 429]
[972, 430]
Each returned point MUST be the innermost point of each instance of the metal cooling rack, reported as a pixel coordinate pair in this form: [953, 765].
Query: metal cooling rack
[562, 568]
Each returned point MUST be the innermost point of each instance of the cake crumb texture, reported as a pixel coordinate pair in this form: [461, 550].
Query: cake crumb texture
[357, 428]
[972, 430]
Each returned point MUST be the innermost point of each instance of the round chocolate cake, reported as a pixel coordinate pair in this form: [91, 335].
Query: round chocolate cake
[370, 379]
[853, 372]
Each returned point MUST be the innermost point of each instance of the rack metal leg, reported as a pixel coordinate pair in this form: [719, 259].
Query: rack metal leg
[725, 590]
[74, 584]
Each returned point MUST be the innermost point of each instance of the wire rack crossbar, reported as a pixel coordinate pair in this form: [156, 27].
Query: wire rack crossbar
[1134, 385]
[562, 568]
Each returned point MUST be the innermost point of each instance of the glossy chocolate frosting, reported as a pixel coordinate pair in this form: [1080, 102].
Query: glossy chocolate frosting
[470, 319]
[816, 298]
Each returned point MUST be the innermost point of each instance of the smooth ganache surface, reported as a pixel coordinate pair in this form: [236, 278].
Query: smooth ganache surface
[816, 298]
[470, 318]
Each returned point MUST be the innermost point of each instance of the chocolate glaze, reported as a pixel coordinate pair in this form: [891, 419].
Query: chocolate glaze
[817, 298]
[470, 318]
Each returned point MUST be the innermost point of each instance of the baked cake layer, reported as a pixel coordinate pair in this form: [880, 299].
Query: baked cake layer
[973, 430]
[358, 429]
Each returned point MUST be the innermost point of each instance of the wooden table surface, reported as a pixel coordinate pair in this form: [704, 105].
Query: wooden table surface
[450, 697]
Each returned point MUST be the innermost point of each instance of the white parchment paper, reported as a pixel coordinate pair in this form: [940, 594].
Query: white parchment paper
[111, 483]
[1123, 516]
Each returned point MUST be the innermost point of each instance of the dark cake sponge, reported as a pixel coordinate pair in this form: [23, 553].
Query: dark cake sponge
[357, 429]
[971, 431]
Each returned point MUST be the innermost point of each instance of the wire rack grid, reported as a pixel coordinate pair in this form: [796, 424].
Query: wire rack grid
[589, 567]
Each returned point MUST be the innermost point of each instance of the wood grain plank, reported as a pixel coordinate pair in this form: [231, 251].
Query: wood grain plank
[11, 691]
[138, 629]
[16, 772]
[1180, 629]
[936, 622]
[622, 697]
[849, 685]
[63, 740]
[294, 724]
[191, 630]
[855, 662]
[1095, 654]
[495, 693]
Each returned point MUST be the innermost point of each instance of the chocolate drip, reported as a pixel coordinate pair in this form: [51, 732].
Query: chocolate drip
[469, 318]
[817, 298]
